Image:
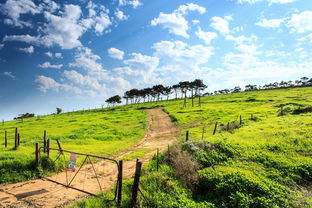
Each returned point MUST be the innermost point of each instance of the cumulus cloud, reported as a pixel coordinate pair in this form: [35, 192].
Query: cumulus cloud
[49, 65]
[270, 23]
[205, 36]
[9, 74]
[269, 1]
[80, 79]
[66, 29]
[1, 46]
[139, 60]
[175, 22]
[52, 55]
[134, 3]
[120, 15]
[48, 83]
[116, 53]
[220, 24]
[29, 49]
[85, 59]
[301, 22]
[13, 9]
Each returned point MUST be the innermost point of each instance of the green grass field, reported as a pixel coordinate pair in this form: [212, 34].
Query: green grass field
[100, 132]
[265, 163]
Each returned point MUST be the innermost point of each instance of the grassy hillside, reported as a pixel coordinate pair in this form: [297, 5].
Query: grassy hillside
[265, 162]
[101, 132]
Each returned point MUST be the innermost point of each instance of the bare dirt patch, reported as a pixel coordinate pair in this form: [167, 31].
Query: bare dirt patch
[43, 193]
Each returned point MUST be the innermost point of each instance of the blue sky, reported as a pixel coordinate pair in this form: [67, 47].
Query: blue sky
[75, 54]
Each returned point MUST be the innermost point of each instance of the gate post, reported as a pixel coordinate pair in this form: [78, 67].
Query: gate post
[119, 194]
[136, 183]
[37, 155]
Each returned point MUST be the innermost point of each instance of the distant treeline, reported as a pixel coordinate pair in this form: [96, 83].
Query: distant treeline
[160, 92]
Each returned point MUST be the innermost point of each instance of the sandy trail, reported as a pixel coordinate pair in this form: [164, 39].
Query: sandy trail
[43, 193]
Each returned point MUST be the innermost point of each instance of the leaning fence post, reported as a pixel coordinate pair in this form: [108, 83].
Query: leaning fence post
[228, 126]
[157, 160]
[44, 141]
[15, 144]
[5, 138]
[48, 147]
[37, 155]
[186, 135]
[136, 183]
[215, 128]
[240, 120]
[18, 139]
[119, 194]
[59, 146]
[203, 132]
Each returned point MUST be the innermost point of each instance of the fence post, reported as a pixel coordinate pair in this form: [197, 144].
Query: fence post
[228, 126]
[187, 135]
[203, 132]
[251, 117]
[48, 147]
[15, 144]
[44, 141]
[37, 155]
[215, 128]
[5, 138]
[2, 122]
[18, 139]
[119, 194]
[59, 145]
[240, 120]
[136, 183]
[157, 160]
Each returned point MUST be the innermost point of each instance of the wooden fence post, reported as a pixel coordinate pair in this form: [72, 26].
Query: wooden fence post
[251, 117]
[228, 126]
[215, 128]
[44, 141]
[5, 138]
[18, 139]
[136, 183]
[157, 160]
[187, 136]
[168, 152]
[48, 147]
[59, 145]
[119, 194]
[2, 122]
[15, 144]
[240, 120]
[37, 155]
[203, 132]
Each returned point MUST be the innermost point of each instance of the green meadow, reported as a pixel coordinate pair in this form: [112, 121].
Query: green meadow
[264, 162]
[102, 132]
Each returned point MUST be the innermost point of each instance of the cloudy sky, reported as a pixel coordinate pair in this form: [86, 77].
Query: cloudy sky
[75, 54]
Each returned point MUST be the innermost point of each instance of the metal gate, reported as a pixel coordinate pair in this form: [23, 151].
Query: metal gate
[82, 172]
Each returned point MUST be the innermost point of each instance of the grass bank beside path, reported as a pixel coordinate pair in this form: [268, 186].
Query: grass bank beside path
[102, 132]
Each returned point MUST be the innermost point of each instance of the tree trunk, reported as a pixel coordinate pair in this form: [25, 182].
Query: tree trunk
[192, 98]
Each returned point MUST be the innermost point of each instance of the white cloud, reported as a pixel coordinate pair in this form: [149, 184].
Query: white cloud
[65, 30]
[1, 46]
[29, 49]
[8, 74]
[85, 59]
[58, 55]
[220, 24]
[139, 60]
[269, 1]
[175, 22]
[78, 78]
[49, 65]
[205, 36]
[49, 54]
[48, 83]
[301, 23]
[120, 15]
[195, 22]
[134, 3]
[270, 23]
[13, 9]
[115, 53]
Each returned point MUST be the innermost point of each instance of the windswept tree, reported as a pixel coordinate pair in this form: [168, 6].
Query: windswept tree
[236, 89]
[198, 86]
[58, 110]
[184, 86]
[113, 100]
[176, 88]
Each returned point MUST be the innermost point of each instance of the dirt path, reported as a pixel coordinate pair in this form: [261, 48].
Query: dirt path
[43, 193]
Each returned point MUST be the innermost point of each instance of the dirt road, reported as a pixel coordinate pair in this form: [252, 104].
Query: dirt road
[43, 193]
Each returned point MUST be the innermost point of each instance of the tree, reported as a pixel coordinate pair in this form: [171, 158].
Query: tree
[198, 86]
[184, 86]
[113, 100]
[236, 89]
[58, 110]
